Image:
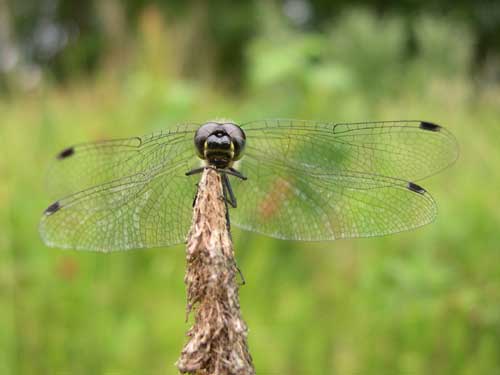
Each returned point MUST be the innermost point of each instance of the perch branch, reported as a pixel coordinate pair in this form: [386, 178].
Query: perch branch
[217, 341]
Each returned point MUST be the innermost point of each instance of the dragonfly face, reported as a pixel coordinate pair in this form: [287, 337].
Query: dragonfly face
[220, 144]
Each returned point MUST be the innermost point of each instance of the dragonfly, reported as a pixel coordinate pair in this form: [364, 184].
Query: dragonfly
[288, 179]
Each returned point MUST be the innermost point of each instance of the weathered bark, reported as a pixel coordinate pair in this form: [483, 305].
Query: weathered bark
[218, 339]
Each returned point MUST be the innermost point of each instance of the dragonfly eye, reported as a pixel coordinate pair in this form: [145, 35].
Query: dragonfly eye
[238, 138]
[201, 135]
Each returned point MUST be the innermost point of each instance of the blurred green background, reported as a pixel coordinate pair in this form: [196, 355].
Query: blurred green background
[422, 302]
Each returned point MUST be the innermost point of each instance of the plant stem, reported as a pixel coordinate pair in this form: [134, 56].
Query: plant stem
[218, 339]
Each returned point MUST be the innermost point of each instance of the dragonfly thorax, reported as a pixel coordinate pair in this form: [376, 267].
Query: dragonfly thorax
[220, 144]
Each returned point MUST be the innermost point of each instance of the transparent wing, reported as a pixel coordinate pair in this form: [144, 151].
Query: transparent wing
[147, 209]
[408, 150]
[298, 203]
[86, 165]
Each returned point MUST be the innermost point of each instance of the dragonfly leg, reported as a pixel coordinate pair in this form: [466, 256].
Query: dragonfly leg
[243, 282]
[195, 195]
[234, 172]
[195, 171]
[229, 190]
[225, 199]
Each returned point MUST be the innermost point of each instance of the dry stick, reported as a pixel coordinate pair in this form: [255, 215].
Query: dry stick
[218, 339]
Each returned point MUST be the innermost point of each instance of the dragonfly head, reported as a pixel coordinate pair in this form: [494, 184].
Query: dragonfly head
[220, 143]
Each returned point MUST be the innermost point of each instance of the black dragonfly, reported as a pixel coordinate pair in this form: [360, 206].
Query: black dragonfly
[289, 179]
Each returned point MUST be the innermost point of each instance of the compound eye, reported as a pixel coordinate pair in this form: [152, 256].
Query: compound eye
[238, 138]
[201, 136]
[233, 130]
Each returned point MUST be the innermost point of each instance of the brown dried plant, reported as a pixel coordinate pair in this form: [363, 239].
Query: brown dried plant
[217, 341]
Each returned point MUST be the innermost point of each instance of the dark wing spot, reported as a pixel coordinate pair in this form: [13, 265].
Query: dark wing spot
[430, 126]
[66, 153]
[416, 188]
[52, 208]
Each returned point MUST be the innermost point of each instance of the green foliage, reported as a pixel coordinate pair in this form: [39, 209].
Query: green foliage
[420, 302]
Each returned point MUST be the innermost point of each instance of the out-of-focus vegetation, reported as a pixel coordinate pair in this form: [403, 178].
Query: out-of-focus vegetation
[414, 303]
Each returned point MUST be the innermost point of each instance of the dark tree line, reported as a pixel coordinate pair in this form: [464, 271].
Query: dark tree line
[71, 37]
